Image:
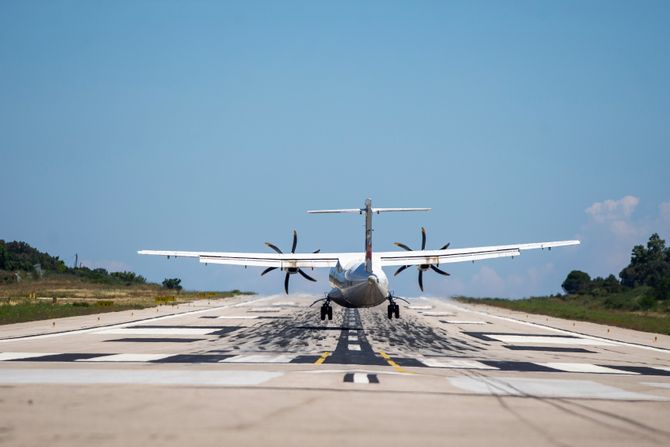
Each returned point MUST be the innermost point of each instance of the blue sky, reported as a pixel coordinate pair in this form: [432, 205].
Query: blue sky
[215, 125]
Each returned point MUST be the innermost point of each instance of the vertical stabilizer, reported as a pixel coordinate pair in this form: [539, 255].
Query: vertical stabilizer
[368, 235]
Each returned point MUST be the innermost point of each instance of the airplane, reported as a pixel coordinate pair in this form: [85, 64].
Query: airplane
[358, 279]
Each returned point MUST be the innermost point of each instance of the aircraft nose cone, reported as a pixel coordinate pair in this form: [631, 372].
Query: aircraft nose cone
[372, 279]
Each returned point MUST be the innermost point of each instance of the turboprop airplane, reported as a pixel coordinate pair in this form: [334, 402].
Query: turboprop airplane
[358, 279]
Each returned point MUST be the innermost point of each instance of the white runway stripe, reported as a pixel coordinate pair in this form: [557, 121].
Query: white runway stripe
[21, 355]
[127, 358]
[260, 358]
[158, 331]
[437, 362]
[354, 347]
[237, 317]
[553, 340]
[584, 368]
[353, 338]
[361, 378]
[134, 376]
[513, 386]
[464, 322]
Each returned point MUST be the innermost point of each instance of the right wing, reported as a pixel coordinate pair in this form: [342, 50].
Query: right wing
[419, 257]
[282, 261]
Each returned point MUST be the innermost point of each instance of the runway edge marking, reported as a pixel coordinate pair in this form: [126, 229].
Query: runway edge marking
[563, 331]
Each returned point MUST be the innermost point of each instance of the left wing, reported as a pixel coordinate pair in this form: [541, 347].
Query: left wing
[436, 257]
[282, 261]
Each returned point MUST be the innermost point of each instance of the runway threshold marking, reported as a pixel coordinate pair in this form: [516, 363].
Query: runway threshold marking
[360, 378]
[395, 366]
[120, 325]
[322, 359]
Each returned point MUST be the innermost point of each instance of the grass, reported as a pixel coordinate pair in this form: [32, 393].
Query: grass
[32, 311]
[620, 309]
[64, 295]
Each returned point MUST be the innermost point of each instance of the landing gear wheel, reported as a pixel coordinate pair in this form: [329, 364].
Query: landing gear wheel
[391, 311]
[330, 312]
[396, 311]
[323, 313]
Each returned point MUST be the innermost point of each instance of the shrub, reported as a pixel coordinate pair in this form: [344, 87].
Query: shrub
[172, 283]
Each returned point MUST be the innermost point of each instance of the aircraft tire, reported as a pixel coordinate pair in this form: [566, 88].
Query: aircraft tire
[323, 313]
[396, 311]
[390, 311]
[330, 312]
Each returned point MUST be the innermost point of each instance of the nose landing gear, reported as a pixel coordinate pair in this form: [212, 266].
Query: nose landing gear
[393, 309]
[326, 310]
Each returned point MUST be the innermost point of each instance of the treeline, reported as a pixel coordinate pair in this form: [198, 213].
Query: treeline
[21, 257]
[647, 272]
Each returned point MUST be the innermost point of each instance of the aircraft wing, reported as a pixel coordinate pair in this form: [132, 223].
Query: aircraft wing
[283, 260]
[448, 256]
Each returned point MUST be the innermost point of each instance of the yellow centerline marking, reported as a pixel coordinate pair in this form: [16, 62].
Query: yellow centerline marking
[322, 359]
[395, 366]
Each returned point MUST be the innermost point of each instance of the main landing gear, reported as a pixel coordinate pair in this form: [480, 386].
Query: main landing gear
[393, 309]
[326, 310]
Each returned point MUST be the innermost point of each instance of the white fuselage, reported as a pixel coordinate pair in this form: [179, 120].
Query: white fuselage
[354, 286]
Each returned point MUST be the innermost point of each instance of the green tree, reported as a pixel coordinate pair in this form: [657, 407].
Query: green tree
[172, 283]
[3, 255]
[612, 285]
[576, 282]
[649, 266]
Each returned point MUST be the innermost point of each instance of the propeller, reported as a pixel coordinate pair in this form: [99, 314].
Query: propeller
[291, 270]
[423, 267]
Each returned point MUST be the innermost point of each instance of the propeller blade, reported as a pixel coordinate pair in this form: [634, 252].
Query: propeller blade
[288, 275]
[306, 276]
[400, 270]
[267, 270]
[441, 272]
[295, 241]
[444, 247]
[274, 247]
[420, 280]
[316, 251]
[401, 245]
[423, 238]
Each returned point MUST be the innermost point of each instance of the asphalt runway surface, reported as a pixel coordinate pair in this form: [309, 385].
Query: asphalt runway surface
[267, 371]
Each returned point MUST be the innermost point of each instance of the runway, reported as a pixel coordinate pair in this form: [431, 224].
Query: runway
[267, 370]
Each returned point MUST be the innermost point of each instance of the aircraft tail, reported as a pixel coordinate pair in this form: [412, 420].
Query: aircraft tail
[368, 210]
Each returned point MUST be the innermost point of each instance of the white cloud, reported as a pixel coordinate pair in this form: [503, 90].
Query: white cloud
[616, 215]
[613, 210]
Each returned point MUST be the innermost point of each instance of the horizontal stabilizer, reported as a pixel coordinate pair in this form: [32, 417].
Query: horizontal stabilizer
[362, 210]
[344, 211]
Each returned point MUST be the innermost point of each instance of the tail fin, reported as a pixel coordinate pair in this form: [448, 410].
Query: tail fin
[368, 210]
